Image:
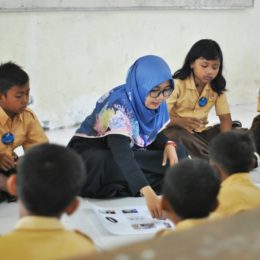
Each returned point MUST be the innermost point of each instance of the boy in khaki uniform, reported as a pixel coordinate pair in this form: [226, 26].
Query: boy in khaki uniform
[18, 124]
[232, 155]
[48, 179]
[189, 194]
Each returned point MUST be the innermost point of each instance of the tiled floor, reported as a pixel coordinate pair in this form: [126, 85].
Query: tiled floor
[84, 219]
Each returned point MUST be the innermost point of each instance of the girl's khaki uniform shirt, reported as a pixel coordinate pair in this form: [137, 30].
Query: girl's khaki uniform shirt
[184, 102]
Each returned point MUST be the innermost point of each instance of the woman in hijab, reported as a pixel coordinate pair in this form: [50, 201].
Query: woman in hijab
[122, 143]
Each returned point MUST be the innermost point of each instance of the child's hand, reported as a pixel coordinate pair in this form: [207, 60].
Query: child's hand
[152, 202]
[6, 162]
[189, 123]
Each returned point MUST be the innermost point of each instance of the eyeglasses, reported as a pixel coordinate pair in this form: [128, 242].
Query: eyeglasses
[155, 93]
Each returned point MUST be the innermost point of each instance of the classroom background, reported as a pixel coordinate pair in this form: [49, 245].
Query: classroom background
[73, 57]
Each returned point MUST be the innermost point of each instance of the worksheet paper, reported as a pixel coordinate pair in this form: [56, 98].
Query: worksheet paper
[130, 220]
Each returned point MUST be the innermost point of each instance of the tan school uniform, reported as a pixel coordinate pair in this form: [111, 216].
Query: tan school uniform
[184, 101]
[26, 129]
[182, 225]
[43, 238]
[237, 193]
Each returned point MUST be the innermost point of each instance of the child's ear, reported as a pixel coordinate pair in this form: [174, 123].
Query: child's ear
[1, 97]
[11, 184]
[72, 206]
[165, 204]
[170, 213]
[218, 170]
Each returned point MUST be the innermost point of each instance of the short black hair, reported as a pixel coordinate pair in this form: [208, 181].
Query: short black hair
[11, 75]
[49, 177]
[233, 151]
[191, 187]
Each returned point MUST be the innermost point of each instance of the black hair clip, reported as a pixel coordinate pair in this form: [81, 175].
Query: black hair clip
[203, 101]
[7, 138]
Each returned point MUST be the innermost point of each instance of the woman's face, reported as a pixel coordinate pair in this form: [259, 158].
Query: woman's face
[158, 94]
[205, 70]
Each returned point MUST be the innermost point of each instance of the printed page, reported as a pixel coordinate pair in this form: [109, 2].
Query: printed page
[130, 220]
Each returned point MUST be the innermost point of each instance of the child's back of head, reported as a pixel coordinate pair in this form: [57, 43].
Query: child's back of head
[232, 154]
[232, 151]
[191, 188]
[49, 178]
[11, 75]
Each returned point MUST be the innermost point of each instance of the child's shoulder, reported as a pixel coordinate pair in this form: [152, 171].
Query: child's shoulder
[29, 113]
[164, 232]
[82, 235]
[178, 81]
[187, 81]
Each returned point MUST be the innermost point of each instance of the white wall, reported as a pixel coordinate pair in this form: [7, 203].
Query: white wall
[74, 57]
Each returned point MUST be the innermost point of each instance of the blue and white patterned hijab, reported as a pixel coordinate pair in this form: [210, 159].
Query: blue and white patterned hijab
[122, 110]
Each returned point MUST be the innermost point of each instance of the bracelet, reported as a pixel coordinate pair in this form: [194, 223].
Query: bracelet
[171, 143]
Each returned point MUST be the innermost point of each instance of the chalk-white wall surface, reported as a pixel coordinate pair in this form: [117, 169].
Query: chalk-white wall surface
[74, 57]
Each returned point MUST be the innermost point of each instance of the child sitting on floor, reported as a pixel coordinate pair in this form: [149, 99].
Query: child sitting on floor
[189, 194]
[18, 124]
[232, 155]
[199, 86]
[48, 180]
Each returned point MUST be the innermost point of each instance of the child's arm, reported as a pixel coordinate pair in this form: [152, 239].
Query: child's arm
[35, 133]
[225, 122]
[188, 123]
[6, 162]
[223, 112]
